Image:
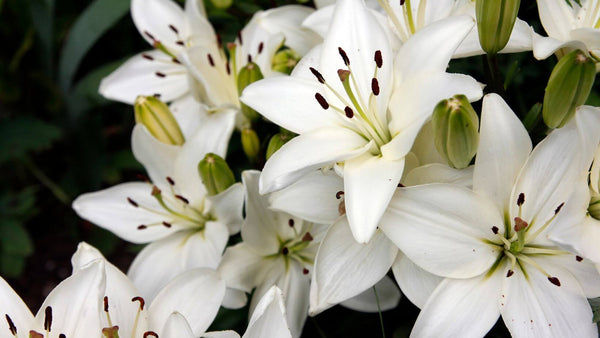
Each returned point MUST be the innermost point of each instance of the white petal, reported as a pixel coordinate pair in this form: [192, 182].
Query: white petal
[243, 268]
[534, 307]
[388, 297]
[320, 20]
[303, 115]
[76, 303]
[295, 286]
[144, 76]
[440, 173]
[589, 36]
[196, 294]
[520, 41]
[111, 210]
[444, 229]
[424, 146]
[268, 319]
[158, 158]
[13, 306]
[557, 17]
[221, 334]
[234, 299]
[460, 308]
[228, 207]
[344, 268]
[312, 198]
[370, 183]
[308, 152]
[504, 146]
[584, 272]
[175, 254]
[543, 47]
[154, 17]
[416, 284]
[177, 326]
[189, 114]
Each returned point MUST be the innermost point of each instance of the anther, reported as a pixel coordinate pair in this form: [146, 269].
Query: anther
[509, 273]
[179, 42]
[174, 29]
[105, 303]
[291, 222]
[261, 46]
[343, 74]
[520, 224]
[521, 199]
[285, 251]
[557, 210]
[156, 95]
[318, 75]
[11, 325]
[183, 199]
[170, 180]
[307, 237]
[578, 258]
[142, 227]
[149, 35]
[132, 202]
[210, 60]
[495, 230]
[375, 86]
[400, 185]
[554, 280]
[249, 58]
[141, 300]
[344, 56]
[378, 59]
[167, 224]
[402, 2]
[159, 74]
[305, 271]
[48, 318]
[322, 101]
[227, 68]
[150, 333]
[148, 57]
[62, 335]
[339, 194]
[143, 177]
[239, 35]
[349, 112]
[176, 61]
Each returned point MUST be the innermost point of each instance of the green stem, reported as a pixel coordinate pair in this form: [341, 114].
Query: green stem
[379, 311]
[56, 190]
[492, 72]
[318, 327]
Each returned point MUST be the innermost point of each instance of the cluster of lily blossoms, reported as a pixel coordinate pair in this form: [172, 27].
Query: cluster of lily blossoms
[383, 180]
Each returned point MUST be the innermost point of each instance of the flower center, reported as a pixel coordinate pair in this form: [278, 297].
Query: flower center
[296, 247]
[412, 23]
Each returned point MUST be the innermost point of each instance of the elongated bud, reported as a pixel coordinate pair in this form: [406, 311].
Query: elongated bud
[285, 60]
[247, 75]
[156, 116]
[495, 22]
[215, 174]
[594, 208]
[277, 141]
[455, 126]
[250, 143]
[223, 4]
[569, 86]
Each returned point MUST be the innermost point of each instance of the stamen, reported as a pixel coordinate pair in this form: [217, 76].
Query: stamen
[210, 60]
[548, 222]
[318, 75]
[174, 29]
[161, 75]
[495, 229]
[521, 199]
[142, 227]
[176, 61]
[305, 271]
[150, 333]
[62, 335]
[170, 180]
[149, 35]
[179, 42]
[105, 303]
[349, 112]
[344, 56]
[183, 199]
[249, 58]
[106, 311]
[378, 59]
[148, 57]
[526, 259]
[509, 273]
[554, 281]
[141, 300]
[137, 315]
[578, 258]
[557, 210]
[375, 86]
[291, 222]
[322, 101]
[48, 318]
[132, 202]
[339, 194]
[11, 325]
[227, 68]
[260, 47]
[143, 177]
[307, 237]
[166, 224]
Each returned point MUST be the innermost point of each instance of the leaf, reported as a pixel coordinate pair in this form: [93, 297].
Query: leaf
[11, 266]
[24, 134]
[89, 27]
[595, 303]
[14, 239]
[42, 16]
[21, 205]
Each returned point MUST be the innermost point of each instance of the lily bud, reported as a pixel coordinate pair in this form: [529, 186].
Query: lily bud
[276, 142]
[455, 126]
[156, 116]
[594, 208]
[285, 60]
[215, 174]
[495, 22]
[222, 3]
[247, 75]
[250, 143]
[569, 86]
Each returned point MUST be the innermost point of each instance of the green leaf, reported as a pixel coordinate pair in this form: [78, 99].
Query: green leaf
[89, 27]
[24, 134]
[42, 16]
[11, 266]
[595, 303]
[14, 239]
[21, 205]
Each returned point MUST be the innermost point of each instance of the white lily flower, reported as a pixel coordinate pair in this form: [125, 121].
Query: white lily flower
[360, 107]
[71, 310]
[569, 26]
[277, 249]
[492, 245]
[185, 227]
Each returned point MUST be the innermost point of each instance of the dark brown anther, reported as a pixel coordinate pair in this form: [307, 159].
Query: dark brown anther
[48, 318]
[105, 303]
[261, 46]
[62, 335]
[520, 224]
[141, 300]
[239, 36]
[509, 273]
[249, 58]
[322, 101]
[285, 250]
[349, 112]
[174, 29]
[578, 258]
[554, 281]
[167, 224]
[150, 333]
[211, 62]
[179, 42]
[175, 60]
[400, 185]
[148, 57]
[143, 178]
[183, 199]
[378, 59]
[156, 95]
[343, 74]
[291, 222]
[339, 194]
[521, 199]
[161, 75]
[227, 68]
[305, 271]
[150, 36]
[375, 86]
[402, 2]
[495, 230]
[132, 202]
[557, 210]
[344, 56]
[170, 180]
[155, 191]
[318, 75]
[307, 237]
[142, 227]
[11, 325]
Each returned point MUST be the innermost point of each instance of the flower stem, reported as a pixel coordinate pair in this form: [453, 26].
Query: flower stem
[54, 188]
[379, 311]
[492, 72]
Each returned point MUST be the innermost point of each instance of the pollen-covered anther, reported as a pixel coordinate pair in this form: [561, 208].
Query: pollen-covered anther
[210, 60]
[174, 29]
[48, 318]
[305, 271]
[307, 237]
[339, 194]
[378, 59]
[554, 280]
[143, 177]
[167, 224]
[249, 58]
[105, 303]
[317, 74]
[509, 273]
[521, 199]
[150, 36]
[150, 334]
[578, 258]
[132, 202]
[291, 223]
[349, 112]
[175, 60]
[161, 75]
[495, 230]
[183, 199]
[142, 227]
[322, 101]
[179, 42]
[148, 57]
[11, 326]
[520, 224]
[375, 86]
[261, 46]
[170, 180]
[140, 300]
[344, 56]
[557, 210]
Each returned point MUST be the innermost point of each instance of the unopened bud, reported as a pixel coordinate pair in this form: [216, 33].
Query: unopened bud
[594, 208]
[455, 126]
[250, 143]
[285, 60]
[248, 75]
[569, 86]
[277, 141]
[215, 174]
[495, 22]
[223, 4]
[156, 116]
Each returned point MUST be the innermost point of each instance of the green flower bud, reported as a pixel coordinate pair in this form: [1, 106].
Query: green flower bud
[156, 116]
[250, 143]
[222, 3]
[215, 174]
[247, 75]
[285, 60]
[568, 88]
[594, 208]
[455, 126]
[495, 22]
[277, 141]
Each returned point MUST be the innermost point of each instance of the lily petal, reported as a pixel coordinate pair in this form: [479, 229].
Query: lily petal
[543, 47]
[440, 173]
[557, 17]
[177, 326]
[154, 18]
[13, 306]
[388, 297]
[269, 317]
[520, 41]
[228, 207]
[158, 158]
[243, 268]
[415, 283]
